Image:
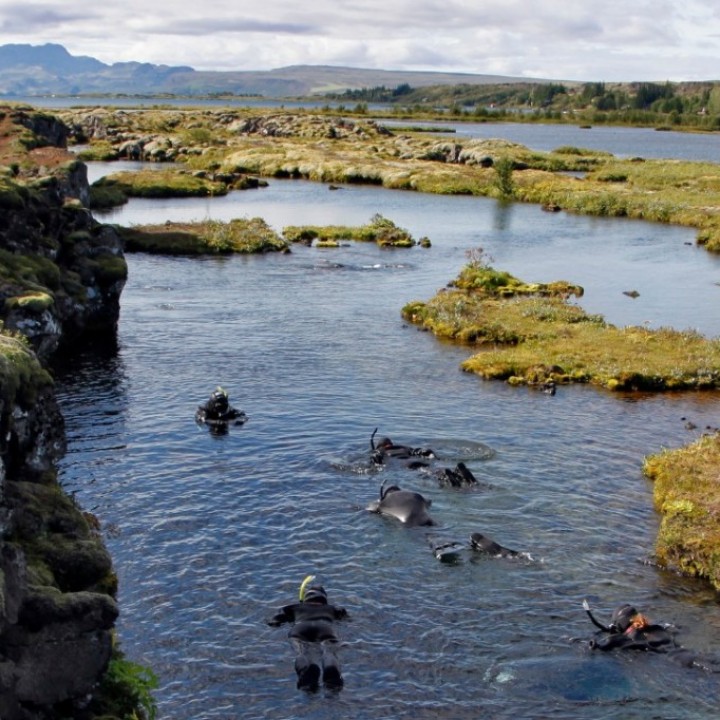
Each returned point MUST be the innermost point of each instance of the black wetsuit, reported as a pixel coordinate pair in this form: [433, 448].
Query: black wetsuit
[217, 410]
[315, 640]
[387, 450]
[653, 638]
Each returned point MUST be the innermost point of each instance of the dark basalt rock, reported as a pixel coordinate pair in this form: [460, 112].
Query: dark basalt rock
[61, 275]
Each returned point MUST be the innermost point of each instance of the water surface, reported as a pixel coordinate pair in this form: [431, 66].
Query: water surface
[211, 534]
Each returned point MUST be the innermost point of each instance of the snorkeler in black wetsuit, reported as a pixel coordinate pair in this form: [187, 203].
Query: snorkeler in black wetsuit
[313, 636]
[217, 411]
[386, 449]
[631, 630]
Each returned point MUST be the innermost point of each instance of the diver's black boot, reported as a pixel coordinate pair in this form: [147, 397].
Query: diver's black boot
[308, 677]
[464, 472]
[332, 677]
[308, 674]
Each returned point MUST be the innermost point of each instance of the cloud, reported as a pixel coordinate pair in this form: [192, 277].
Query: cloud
[28, 18]
[587, 39]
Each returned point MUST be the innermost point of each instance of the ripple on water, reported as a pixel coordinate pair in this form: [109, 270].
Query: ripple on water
[213, 534]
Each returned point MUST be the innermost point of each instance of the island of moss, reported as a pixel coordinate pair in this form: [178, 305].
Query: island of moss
[686, 493]
[207, 237]
[530, 333]
[340, 150]
[380, 230]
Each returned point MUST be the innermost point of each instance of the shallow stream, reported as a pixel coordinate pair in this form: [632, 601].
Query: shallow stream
[211, 534]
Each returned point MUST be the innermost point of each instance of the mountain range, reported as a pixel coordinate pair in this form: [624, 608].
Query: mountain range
[30, 70]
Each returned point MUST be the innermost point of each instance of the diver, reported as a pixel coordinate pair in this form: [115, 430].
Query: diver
[217, 411]
[631, 630]
[450, 551]
[386, 448]
[313, 636]
[407, 506]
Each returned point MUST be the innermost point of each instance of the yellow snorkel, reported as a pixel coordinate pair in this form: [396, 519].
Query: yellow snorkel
[303, 586]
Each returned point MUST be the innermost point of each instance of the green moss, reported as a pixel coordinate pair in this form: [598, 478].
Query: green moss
[111, 189]
[103, 197]
[32, 302]
[102, 151]
[244, 236]
[379, 230]
[110, 268]
[28, 271]
[11, 195]
[22, 377]
[686, 491]
[531, 334]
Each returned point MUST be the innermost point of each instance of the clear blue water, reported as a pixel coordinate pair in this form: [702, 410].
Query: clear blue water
[620, 141]
[210, 535]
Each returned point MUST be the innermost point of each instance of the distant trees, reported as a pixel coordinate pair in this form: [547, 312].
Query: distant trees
[647, 93]
[688, 104]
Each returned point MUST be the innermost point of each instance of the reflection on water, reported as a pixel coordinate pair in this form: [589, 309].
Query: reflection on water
[678, 283]
[210, 535]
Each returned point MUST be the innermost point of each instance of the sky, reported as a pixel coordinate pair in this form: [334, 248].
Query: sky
[585, 40]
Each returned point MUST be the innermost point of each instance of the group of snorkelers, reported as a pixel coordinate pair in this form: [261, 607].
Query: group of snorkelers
[312, 619]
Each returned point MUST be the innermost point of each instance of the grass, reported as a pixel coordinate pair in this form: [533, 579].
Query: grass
[687, 495]
[530, 333]
[209, 237]
[114, 189]
[323, 148]
[379, 230]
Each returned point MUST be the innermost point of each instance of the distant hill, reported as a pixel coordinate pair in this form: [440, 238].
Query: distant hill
[51, 69]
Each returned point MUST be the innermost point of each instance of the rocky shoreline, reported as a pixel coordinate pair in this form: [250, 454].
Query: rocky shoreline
[61, 276]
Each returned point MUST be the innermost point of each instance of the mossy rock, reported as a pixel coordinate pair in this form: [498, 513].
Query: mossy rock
[686, 495]
[32, 272]
[241, 236]
[537, 335]
[22, 378]
[36, 302]
[159, 184]
[104, 197]
[87, 611]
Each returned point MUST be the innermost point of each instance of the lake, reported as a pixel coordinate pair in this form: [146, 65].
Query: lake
[210, 534]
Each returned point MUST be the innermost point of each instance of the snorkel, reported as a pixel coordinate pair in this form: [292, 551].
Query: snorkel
[372, 439]
[303, 586]
[625, 619]
[384, 492]
[596, 623]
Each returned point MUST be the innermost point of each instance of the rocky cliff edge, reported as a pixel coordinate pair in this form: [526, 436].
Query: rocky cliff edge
[61, 275]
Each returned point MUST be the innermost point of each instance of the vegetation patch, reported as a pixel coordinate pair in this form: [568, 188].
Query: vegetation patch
[317, 147]
[530, 333]
[126, 691]
[114, 189]
[35, 302]
[102, 151]
[21, 376]
[686, 494]
[379, 230]
[209, 237]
